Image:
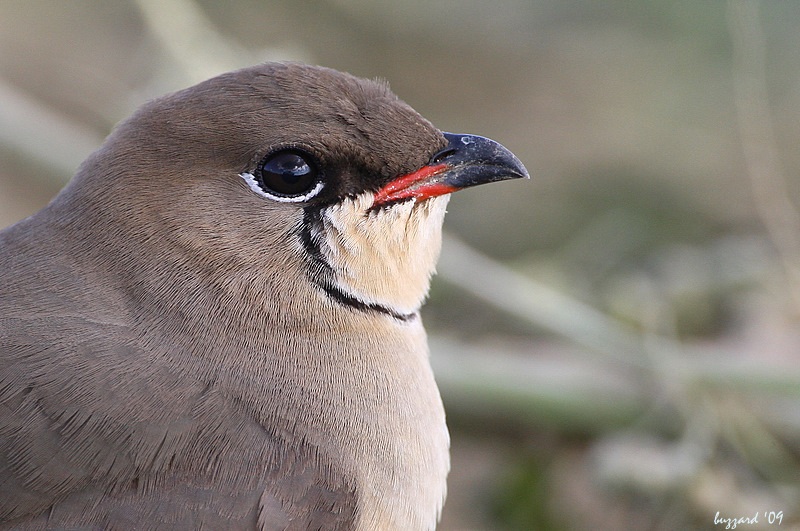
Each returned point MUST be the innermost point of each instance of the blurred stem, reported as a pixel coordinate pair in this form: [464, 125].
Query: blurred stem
[30, 127]
[755, 441]
[539, 304]
[671, 372]
[191, 39]
[759, 145]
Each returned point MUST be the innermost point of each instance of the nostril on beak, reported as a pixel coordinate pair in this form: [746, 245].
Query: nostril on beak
[442, 155]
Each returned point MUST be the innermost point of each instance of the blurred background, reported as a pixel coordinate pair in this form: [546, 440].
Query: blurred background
[617, 341]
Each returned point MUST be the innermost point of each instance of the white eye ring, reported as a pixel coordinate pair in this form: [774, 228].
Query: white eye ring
[251, 182]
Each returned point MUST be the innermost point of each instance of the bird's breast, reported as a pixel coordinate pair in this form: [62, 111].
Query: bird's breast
[362, 394]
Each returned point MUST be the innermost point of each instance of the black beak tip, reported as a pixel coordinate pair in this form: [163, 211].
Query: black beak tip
[477, 160]
[466, 160]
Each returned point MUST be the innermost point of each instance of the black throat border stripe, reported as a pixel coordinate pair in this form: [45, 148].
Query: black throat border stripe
[353, 302]
[322, 274]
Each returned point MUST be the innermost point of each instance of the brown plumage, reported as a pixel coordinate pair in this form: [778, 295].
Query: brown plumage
[215, 324]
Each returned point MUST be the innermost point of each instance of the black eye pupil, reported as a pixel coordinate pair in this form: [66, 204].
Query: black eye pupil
[287, 173]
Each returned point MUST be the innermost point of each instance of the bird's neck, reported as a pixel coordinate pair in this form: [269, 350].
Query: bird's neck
[389, 420]
[366, 393]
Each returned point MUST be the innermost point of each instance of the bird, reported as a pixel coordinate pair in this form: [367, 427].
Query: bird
[215, 324]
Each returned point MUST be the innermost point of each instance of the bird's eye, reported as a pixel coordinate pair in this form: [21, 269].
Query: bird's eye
[288, 175]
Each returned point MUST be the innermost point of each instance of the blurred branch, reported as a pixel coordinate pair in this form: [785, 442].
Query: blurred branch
[192, 40]
[759, 145]
[600, 390]
[42, 134]
[563, 389]
[513, 388]
[537, 303]
[754, 439]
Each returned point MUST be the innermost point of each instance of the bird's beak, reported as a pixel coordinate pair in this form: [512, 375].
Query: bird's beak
[468, 160]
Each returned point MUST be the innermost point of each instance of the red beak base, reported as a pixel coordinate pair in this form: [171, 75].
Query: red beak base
[420, 184]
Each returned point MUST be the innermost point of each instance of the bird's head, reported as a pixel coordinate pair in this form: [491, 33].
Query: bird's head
[285, 171]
